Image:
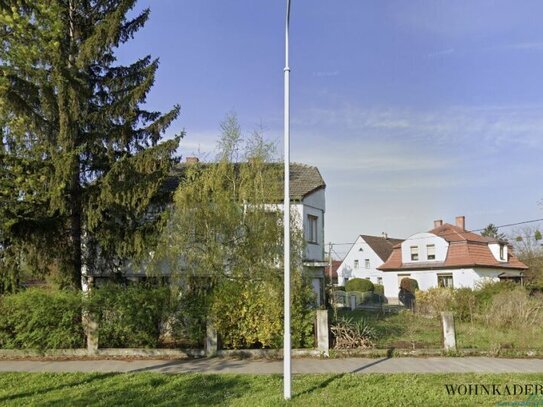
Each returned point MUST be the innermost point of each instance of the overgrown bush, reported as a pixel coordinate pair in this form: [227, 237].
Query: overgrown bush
[359, 284]
[409, 284]
[464, 304]
[350, 334]
[41, 319]
[131, 316]
[514, 309]
[408, 287]
[486, 291]
[434, 301]
[379, 289]
[249, 314]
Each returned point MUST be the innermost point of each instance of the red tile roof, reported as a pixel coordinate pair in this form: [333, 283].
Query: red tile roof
[466, 249]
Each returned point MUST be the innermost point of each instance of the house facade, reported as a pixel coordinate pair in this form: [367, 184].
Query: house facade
[449, 256]
[364, 257]
[308, 207]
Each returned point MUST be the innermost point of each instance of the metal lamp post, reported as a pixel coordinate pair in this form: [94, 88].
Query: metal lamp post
[287, 369]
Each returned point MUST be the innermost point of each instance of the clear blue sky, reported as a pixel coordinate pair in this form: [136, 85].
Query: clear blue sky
[412, 110]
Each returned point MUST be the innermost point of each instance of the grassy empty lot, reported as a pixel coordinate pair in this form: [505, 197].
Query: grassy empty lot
[406, 330]
[146, 389]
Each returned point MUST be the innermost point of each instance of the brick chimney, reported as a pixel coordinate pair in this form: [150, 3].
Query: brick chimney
[461, 222]
[192, 160]
[438, 223]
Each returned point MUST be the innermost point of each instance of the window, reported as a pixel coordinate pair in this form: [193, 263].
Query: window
[445, 280]
[502, 252]
[431, 251]
[380, 280]
[312, 228]
[367, 263]
[356, 264]
[414, 253]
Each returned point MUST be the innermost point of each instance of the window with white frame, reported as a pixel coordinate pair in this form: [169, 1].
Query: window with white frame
[367, 263]
[445, 280]
[356, 265]
[312, 228]
[380, 280]
[431, 251]
[414, 253]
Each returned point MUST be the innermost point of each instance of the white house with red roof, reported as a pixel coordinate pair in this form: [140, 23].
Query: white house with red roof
[364, 256]
[449, 256]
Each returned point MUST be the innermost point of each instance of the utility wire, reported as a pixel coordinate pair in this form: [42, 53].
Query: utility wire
[454, 232]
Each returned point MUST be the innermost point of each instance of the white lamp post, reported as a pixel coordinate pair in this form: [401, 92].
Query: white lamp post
[287, 370]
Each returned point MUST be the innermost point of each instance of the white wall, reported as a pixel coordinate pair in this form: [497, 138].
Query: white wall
[347, 268]
[315, 205]
[495, 249]
[426, 279]
[422, 240]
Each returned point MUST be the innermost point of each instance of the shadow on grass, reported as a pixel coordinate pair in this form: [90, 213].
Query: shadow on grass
[129, 389]
[93, 378]
[332, 379]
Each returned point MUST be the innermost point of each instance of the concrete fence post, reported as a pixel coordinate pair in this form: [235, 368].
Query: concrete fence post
[322, 331]
[91, 329]
[211, 340]
[352, 301]
[449, 334]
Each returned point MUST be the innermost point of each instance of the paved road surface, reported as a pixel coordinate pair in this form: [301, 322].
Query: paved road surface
[307, 365]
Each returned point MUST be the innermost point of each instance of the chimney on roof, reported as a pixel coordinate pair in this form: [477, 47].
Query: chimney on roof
[461, 222]
[192, 160]
[438, 223]
[385, 235]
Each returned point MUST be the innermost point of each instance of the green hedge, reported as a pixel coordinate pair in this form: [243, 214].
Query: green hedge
[41, 319]
[359, 284]
[131, 316]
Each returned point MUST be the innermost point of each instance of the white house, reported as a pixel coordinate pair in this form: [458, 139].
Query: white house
[366, 254]
[449, 256]
[308, 206]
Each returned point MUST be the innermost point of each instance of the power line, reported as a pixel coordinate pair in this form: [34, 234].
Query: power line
[454, 232]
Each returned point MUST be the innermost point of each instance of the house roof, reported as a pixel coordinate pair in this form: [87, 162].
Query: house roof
[466, 249]
[335, 266]
[304, 179]
[382, 246]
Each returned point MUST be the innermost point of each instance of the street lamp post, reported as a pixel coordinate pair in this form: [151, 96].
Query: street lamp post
[287, 369]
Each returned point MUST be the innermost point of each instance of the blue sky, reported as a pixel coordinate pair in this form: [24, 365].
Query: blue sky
[412, 110]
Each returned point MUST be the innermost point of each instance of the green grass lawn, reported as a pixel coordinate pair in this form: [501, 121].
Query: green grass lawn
[155, 389]
[406, 330]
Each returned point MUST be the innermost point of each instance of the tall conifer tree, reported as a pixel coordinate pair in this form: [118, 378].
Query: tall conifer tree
[81, 162]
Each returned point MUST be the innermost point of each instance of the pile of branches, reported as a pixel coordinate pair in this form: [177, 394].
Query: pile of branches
[349, 334]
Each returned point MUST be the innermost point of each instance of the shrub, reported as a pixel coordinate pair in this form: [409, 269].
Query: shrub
[488, 289]
[41, 319]
[464, 304]
[514, 309]
[249, 314]
[359, 284]
[131, 316]
[349, 334]
[434, 301]
[409, 284]
[379, 289]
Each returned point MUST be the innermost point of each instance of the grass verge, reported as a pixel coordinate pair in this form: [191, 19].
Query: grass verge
[145, 389]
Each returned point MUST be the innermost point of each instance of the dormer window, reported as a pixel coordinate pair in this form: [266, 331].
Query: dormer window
[414, 253]
[502, 252]
[431, 251]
